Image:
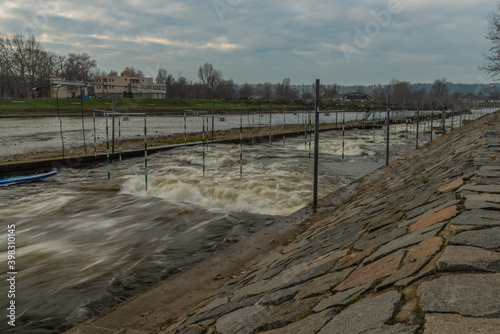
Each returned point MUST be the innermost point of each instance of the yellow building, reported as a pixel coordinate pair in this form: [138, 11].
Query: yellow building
[125, 84]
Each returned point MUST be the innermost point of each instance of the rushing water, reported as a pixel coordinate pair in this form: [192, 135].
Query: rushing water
[82, 246]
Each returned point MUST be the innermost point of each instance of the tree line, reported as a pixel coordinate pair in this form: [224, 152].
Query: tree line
[26, 67]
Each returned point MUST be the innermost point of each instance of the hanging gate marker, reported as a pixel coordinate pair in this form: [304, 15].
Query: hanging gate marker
[185, 131]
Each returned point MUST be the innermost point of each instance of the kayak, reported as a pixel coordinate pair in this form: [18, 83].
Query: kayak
[18, 179]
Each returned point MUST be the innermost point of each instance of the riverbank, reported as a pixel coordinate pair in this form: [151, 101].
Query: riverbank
[411, 248]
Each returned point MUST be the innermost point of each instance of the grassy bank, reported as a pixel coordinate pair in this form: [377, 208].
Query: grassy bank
[71, 107]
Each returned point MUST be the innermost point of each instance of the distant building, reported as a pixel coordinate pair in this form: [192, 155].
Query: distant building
[356, 97]
[63, 91]
[125, 84]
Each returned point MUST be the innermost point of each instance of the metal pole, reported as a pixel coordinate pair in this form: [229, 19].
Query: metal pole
[185, 131]
[213, 110]
[145, 155]
[203, 120]
[241, 146]
[120, 137]
[316, 146]
[418, 118]
[113, 126]
[270, 123]
[343, 136]
[432, 119]
[95, 140]
[388, 127]
[107, 150]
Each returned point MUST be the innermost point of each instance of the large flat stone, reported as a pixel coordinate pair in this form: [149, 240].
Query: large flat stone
[365, 315]
[451, 186]
[457, 324]
[242, 321]
[323, 284]
[416, 257]
[342, 298]
[473, 295]
[406, 241]
[309, 325]
[378, 269]
[379, 237]
[437, 217]
[488, 238]
[466, 258]
[482, 201]
[395, 329]
[477, 217]
[434, 206]
[481, 188]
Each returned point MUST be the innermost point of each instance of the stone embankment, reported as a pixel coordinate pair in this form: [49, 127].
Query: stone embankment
[415, 251]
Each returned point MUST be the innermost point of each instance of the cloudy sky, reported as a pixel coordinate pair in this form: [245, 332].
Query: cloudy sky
[338, 41]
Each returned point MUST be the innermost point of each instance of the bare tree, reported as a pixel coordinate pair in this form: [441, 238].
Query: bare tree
[79, 67]
[402, 91]
[246, 91]
[493, 58]
[210, 78]
[439, 88]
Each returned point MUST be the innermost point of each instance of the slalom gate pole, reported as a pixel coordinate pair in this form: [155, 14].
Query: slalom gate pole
[107, 150]
[241, 146]
[145, 155]
[203, 136]
[185, 131]
[95, 140]
[343, 136]
[119, 138]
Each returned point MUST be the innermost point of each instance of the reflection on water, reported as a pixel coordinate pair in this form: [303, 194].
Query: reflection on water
[83, 247]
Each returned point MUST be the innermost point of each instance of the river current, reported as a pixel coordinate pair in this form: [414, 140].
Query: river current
[83, 246]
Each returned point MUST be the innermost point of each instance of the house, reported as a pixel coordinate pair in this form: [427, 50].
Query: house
[355, 97]
[65, 89]
[124, 85]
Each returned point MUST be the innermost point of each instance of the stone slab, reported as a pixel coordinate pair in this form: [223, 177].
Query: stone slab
[323, 284]
[451, 186]
[429, 208]
[378, 269]
[365, 315]
[488, 238]
[472, 295]
[395, 329]
[309, 325]
[482, 201]
[457, 324]
[342, 298]
[481, 188]
[242, 321]
[466, 258]
[478, 217]
[437, 217]
[406, 241]
[416, 257]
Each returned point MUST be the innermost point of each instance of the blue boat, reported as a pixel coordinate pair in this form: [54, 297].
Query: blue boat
[18, 179]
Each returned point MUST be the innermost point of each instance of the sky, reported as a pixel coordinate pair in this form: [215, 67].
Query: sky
[347, 42]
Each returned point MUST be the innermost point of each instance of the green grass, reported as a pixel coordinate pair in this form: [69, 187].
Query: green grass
[46, 107]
